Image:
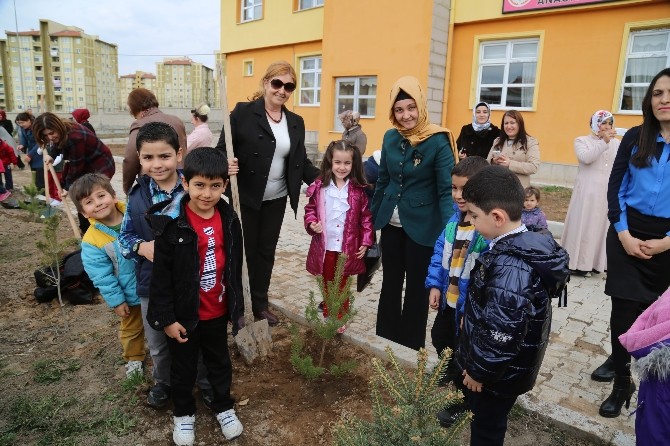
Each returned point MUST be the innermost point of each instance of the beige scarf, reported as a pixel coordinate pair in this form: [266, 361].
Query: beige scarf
[423, 129]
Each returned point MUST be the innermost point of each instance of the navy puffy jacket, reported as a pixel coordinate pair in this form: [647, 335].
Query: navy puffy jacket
[507, 316]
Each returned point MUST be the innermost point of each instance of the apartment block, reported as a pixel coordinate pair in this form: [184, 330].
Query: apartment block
[129, 82]
[183, 83]
[57, 68]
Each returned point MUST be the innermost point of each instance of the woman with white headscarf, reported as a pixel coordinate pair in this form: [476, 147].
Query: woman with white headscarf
[476, 139]
[586, 223]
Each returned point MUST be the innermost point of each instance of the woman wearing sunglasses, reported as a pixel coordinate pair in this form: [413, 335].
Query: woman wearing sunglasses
[269, 145]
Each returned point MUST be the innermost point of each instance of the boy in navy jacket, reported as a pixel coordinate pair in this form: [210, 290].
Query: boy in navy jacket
[507, 315]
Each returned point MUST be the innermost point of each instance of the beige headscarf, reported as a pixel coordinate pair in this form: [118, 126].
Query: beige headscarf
[424, 129]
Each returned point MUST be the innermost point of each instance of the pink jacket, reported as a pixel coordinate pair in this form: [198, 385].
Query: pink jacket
[357, 228]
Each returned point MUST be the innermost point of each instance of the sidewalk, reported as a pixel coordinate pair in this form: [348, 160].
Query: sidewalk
[579, 341]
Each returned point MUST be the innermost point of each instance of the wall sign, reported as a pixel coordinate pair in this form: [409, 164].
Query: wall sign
[510, 6]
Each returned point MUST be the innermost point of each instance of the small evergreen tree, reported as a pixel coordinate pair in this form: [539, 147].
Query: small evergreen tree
[334, 297]
[53, 250]
[403, 408]
[34, 208]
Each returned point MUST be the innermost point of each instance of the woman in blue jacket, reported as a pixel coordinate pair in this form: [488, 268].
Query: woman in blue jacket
[28, 145]
[638, 240]
[411, 205]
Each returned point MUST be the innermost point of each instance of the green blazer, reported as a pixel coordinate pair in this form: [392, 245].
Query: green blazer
[418, 181]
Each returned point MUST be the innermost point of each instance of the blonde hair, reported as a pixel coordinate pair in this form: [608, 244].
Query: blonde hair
[275, 69]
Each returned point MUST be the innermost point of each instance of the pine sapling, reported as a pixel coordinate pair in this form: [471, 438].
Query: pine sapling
[53, 250]
[334, 293]
[404, 405]
[34, 207]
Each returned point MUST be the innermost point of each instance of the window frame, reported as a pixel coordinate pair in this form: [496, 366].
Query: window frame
[314, 2]
[509, 41]
[247, 63]
[255, 4]
[337, 125]
[631, 32]
[318, 73]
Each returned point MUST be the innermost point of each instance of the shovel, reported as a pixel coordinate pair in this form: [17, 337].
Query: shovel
[66, 208]
[254, 338]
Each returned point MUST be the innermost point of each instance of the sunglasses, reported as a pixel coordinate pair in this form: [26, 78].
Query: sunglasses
[277, 84]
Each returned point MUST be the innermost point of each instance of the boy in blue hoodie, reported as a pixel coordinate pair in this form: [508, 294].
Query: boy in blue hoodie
[110, 272]
[454, 255]
[507, 312]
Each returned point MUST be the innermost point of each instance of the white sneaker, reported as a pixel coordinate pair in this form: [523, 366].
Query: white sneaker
[230, 424]
[55, 202]
[133, 367]
[183, 433]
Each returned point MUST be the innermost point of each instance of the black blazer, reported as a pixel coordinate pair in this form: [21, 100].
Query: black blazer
[254, 146]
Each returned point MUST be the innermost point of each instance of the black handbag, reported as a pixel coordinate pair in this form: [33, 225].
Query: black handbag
[373, 260]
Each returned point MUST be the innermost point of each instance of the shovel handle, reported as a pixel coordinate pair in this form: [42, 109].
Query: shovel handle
[70, 218]
[234, 193]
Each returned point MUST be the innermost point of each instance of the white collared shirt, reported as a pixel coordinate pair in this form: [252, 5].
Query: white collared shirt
[337, 205]
[521, 228]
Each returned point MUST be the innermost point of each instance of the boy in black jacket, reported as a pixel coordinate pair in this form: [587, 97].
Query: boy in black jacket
[196, 288]
[507, 317]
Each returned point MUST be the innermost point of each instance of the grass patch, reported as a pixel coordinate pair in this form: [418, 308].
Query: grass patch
[51, 370]
[135, 380]
[517, 412]
[62, 422]
[555, 189]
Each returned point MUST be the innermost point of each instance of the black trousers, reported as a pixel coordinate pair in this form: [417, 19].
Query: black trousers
[403, 261]
[489, 421]
[624, 313]
[261, 230]
[211, 338]
[443, 332]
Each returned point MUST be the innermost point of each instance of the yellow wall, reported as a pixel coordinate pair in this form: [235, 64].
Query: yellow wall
[388, 39]
[280, 25]
[581, 58]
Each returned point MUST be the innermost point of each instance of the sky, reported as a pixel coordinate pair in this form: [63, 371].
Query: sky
[144, 31]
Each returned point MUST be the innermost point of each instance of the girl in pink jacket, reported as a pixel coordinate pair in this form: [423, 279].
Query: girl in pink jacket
[337, 215]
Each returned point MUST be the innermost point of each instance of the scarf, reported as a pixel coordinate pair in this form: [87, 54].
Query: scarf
[598, 118]
[477, 126]
[423, 129]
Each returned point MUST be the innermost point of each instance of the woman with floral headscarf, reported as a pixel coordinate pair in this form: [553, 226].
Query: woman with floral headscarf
[411, 205]
[476, 139]
[586, 223]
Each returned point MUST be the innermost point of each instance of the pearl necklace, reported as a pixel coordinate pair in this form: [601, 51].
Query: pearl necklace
[276, 121]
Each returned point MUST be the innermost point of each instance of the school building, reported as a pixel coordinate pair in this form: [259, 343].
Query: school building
[556, 61]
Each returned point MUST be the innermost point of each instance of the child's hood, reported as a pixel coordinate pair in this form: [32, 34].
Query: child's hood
[541, 252]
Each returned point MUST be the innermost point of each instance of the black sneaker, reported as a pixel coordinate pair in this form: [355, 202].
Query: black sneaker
[159, 395]
[449, 415]
[207, 397]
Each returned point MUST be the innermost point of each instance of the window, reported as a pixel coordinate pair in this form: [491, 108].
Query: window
[310, 80]
[251, 10]
[248, 68]
[308, 4]
[648, 53]
[355, 93]
[507, 71]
